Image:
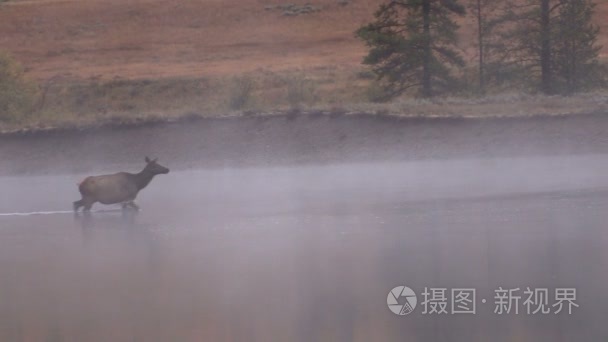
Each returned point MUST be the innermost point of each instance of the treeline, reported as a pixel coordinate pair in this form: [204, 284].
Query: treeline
[547, 46]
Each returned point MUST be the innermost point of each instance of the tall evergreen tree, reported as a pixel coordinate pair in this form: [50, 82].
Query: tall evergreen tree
[552, 41]
[487, 20]
[412, 45]
[575, 55]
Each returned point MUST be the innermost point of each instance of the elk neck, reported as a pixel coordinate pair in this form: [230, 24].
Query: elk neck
[143, 178]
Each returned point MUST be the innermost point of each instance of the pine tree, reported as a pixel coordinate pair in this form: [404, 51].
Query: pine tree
[553, 42]
[487, 21]
[575, 60]
[412, 45]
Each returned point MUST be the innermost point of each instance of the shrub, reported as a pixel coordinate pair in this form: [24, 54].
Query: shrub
[300, 90]
[241, 92]
[377, 92]
[17, 95]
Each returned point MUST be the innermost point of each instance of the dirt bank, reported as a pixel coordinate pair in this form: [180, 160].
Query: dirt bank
[293, 139]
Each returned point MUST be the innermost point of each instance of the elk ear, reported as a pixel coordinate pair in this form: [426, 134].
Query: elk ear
[147, 160]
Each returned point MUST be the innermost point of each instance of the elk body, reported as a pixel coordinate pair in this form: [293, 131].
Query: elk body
[121, 187]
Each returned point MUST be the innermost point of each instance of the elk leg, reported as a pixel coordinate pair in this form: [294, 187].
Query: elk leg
[83, 203]
[133, 205]
[77, 205]
[87, 204]
[129, 204]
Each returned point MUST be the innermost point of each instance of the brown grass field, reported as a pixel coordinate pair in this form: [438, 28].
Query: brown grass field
[102, 59]
[151, 39]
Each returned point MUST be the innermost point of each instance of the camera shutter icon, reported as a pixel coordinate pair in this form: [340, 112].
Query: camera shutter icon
[401, 300]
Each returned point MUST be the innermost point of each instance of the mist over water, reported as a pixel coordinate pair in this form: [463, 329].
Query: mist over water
[307, 253]
[296, 202]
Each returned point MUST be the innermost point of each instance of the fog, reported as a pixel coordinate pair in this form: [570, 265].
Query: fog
[307, 253]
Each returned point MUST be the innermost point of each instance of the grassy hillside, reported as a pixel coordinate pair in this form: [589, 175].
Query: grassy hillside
[113, 58]
[150, 39]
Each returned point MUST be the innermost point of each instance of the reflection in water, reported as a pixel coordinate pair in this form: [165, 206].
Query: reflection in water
[88, 219]
[97, 229]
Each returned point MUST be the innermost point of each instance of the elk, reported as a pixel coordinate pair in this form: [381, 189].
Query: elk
[121, 187]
